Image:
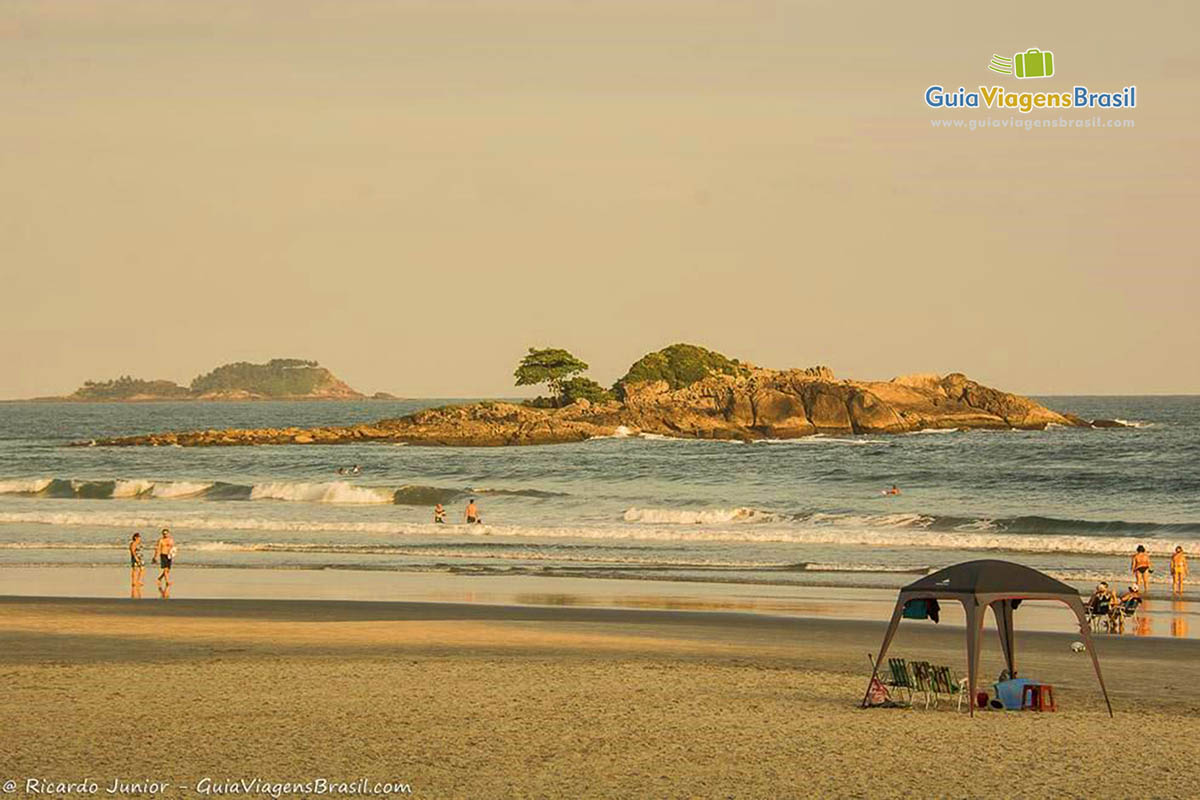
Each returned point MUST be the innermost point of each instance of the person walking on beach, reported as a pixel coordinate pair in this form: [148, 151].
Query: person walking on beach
[1179, 570]
[1141, 569]
[164, 556]
[472, 513]
[137, 567]
[439, 514]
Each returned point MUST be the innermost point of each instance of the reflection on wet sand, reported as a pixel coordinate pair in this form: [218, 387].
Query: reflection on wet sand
[1179, 620]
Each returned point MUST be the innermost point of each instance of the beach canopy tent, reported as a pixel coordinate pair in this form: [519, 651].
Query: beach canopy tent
[1002, 585]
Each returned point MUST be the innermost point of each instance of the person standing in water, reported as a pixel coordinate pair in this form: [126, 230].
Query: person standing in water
[472, 513]
[1141, 569]
[164, 555]
[137, 567]
[1179, 570]
[439, 514]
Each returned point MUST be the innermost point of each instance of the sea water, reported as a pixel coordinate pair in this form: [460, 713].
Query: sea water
[1072, 502]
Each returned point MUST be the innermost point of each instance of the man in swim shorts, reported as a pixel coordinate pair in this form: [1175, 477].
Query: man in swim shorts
[1141, 569]
[1179, 570]
[472, 512]
[164, 555]
[439, 514]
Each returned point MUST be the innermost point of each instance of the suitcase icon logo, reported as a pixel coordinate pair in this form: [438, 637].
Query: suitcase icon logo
[1033, 63]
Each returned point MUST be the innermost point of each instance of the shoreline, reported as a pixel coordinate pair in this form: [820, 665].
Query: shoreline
[1161, 618]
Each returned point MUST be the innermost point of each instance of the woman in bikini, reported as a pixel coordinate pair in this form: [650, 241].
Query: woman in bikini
[137, 567]
[1141, 569]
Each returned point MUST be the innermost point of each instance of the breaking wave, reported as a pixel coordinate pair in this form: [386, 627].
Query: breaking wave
[716, 516]
[341, 492]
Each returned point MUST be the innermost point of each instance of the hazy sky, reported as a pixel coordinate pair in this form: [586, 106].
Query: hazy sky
[414, 193]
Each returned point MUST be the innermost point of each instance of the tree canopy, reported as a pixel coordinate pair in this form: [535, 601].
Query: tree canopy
[551, 366]
[679, 365]
[580, 388]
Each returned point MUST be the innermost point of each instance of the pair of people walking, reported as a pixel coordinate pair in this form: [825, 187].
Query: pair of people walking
[164, 556]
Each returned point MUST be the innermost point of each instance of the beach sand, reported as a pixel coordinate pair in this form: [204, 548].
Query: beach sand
[502, 701]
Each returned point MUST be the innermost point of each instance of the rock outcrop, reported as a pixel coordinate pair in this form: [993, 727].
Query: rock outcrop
[751, 404]
[278, 379]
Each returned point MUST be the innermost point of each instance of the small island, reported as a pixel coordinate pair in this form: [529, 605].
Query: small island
[278, 379]
[682, 391]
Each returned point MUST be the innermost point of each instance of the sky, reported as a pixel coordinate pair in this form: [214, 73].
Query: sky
[414, 193]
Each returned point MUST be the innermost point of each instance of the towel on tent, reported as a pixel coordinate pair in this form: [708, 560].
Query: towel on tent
[922, 609]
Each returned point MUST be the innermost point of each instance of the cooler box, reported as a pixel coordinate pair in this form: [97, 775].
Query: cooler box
[1009, 692]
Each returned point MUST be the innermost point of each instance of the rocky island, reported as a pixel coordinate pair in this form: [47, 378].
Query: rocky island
[278, 379]
[681, 391]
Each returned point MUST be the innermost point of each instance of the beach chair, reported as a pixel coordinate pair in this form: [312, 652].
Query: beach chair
[947, 683]
[901, 677]
[1121, 612]
[923, 682]
[1097, 614]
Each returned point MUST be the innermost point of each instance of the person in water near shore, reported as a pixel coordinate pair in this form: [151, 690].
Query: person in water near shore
[137, 567]
[892, 491]
[472, 513]
[1179, 570]
[164, 556]
[439, 514]
[1141, 568]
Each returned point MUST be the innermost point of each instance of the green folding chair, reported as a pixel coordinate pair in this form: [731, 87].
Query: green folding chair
[901, 677]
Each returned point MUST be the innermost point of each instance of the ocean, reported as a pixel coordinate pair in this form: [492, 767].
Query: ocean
[1072, 502]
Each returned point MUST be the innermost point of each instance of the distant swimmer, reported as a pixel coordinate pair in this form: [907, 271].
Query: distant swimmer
[439, 514]
[357, 469]
[1141, 568]
[892, 491]
[341, 470]
[1179, 570]
[472, 513]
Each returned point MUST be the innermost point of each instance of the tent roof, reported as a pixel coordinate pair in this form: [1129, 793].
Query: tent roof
[989, 576]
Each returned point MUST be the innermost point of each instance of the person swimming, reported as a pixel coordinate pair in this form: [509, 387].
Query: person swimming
[895, 490]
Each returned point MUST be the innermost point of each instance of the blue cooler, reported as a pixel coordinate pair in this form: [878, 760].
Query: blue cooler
[1009, 692]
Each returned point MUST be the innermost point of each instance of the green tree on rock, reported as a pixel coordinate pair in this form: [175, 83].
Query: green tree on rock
[580, 388]
[550, 366]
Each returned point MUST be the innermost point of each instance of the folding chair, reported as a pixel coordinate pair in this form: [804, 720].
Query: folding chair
[901, 677]
[945, 682]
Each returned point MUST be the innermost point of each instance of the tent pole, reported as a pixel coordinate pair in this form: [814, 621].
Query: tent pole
[1085, 632]
[1003, 611]
[883, 648]
[974, 629]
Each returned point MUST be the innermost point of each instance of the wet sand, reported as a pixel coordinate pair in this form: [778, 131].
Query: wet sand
[477, 700]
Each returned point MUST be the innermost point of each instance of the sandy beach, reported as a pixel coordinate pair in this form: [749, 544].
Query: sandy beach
[462, 700]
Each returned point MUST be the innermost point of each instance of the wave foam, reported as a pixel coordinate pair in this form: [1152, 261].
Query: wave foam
[25, 485]
[336, 492]
[715, 516]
